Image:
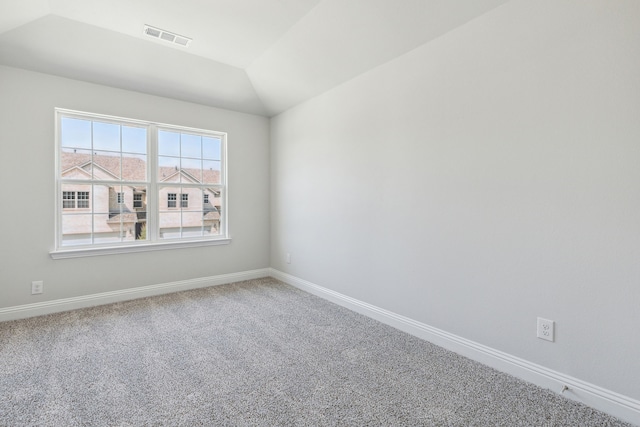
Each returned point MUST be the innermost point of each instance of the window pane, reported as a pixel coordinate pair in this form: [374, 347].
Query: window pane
[106, 136]
[75, 164]
[211, 219]
[100, 198]
[117, 199]
[134, 167]
[168, 169]
[75, 133]
[191, 146]
[211, 148]
[103, 223]
[211, 172]
[170, 225]
[134, 140]
[106, 165]
[168, 143]
[211, 226]
[108, 228]
[120, 224]
[192, 171]
[76, 229]
[141, 227]
[140, 211]
[191, 223]
[122, 227]
[111, 222]
[195, 198]
[192, 232]
[211, 198]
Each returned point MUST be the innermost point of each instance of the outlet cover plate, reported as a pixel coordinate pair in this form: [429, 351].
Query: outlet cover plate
[37, 287]
[546, 329]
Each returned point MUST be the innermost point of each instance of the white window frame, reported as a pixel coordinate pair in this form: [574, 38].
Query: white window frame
[154, 241]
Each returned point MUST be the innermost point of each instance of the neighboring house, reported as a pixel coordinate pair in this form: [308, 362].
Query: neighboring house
[117, 212]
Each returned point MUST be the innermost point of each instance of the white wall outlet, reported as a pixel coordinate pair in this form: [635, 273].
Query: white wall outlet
[288, 258]
[37, 287]
[546, 329]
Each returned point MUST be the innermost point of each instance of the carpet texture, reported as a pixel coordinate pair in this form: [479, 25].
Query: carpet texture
[255, 353]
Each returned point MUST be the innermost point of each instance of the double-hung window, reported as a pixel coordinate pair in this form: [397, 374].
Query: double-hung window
[83, 199]
[137, 201]
[171, 200]
[125, 185]
[69, 199]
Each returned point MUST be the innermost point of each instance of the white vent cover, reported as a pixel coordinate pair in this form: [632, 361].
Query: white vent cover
[168, 36]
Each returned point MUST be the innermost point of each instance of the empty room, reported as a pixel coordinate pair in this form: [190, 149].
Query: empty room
[320, 212]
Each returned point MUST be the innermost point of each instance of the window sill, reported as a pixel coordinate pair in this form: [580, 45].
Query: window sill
[115, 250]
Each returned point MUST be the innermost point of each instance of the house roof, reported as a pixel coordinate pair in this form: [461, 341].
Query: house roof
[132, 168]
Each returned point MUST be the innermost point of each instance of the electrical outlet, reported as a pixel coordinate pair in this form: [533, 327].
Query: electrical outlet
[546, 329]
[37, 287]
[288, 258]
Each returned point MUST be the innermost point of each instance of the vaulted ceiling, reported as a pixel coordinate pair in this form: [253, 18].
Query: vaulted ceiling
[255, 56]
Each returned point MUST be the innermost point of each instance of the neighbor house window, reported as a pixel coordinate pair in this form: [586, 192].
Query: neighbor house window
[83, 199]
[69, 199]
[153, 165]
[171, 200]
[137, 200]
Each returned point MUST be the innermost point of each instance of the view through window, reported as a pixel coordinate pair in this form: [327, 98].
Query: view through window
[129, 182]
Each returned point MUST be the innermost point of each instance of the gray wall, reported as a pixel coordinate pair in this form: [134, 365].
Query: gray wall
[27, 174]
[484, 179]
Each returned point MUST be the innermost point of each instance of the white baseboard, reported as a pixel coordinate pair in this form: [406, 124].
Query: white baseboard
[55, 306]
[612, 403]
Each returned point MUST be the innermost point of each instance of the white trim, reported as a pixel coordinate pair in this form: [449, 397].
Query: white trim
[66, 304]
[138, 247]
[613, 403]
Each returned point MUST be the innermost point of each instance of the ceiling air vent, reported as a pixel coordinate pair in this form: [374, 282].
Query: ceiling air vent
[170, 37]
[182, 41]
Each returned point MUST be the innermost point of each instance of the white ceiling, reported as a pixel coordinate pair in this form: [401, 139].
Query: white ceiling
[254, 56]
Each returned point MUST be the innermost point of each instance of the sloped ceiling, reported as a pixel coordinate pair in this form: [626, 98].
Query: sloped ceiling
[254, 56]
